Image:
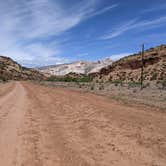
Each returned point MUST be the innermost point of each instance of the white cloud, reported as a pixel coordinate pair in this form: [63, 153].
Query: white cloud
[36, 55]
[116, 57]
[29, 21]
[134, 24]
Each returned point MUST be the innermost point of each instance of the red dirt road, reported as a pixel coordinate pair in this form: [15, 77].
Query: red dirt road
[44, 126]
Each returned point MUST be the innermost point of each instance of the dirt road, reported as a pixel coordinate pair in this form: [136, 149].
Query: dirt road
[43, 126]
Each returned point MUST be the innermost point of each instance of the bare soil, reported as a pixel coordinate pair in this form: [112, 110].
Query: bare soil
[46, 126]
[153, 95]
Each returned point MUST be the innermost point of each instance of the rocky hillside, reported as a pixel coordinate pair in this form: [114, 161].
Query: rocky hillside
[129, 68]
[80, 67]
[11, 70]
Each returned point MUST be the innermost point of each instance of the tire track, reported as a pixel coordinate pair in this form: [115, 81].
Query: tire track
[6, 88]
[56, 151]
[30, 141]
[13, 109]
[8, 94]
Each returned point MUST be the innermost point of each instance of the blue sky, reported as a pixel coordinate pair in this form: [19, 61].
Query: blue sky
[44, 32]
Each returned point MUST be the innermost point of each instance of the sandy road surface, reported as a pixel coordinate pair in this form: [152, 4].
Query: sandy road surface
[41, 126]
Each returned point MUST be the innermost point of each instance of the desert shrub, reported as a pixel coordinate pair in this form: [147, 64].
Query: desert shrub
[2, 65]
[3, 79]
[79, 85]
[101, 87]
[154, 76]
[147, 85]
[92, 87]
[117, 82]
[101, 81]
[134, 84]
[164, 84]
[135, 90]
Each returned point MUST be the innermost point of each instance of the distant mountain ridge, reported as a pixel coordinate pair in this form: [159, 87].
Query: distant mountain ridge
[79, 67]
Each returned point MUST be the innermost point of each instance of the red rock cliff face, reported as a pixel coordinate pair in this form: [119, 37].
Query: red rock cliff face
[11, 70]
[129, 68]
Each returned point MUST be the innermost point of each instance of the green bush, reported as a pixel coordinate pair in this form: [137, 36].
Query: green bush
[84, 79]
[70, 79]
[2, 65]
[134, 84]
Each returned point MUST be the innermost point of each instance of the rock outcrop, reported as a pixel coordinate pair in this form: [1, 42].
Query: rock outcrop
[11, 70]
[80, 67]
[129, 68]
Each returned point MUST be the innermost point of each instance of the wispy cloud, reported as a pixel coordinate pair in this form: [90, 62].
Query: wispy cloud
[82, 54]
[119, 30]
[30, 21]
[155, 8]
[104, 10]
[134, 24]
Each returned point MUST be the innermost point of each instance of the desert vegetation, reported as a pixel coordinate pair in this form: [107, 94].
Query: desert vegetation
[152, 93]
[67, 78]
[3, 79]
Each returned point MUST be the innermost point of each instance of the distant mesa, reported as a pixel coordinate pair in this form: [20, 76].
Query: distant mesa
[79, 67]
